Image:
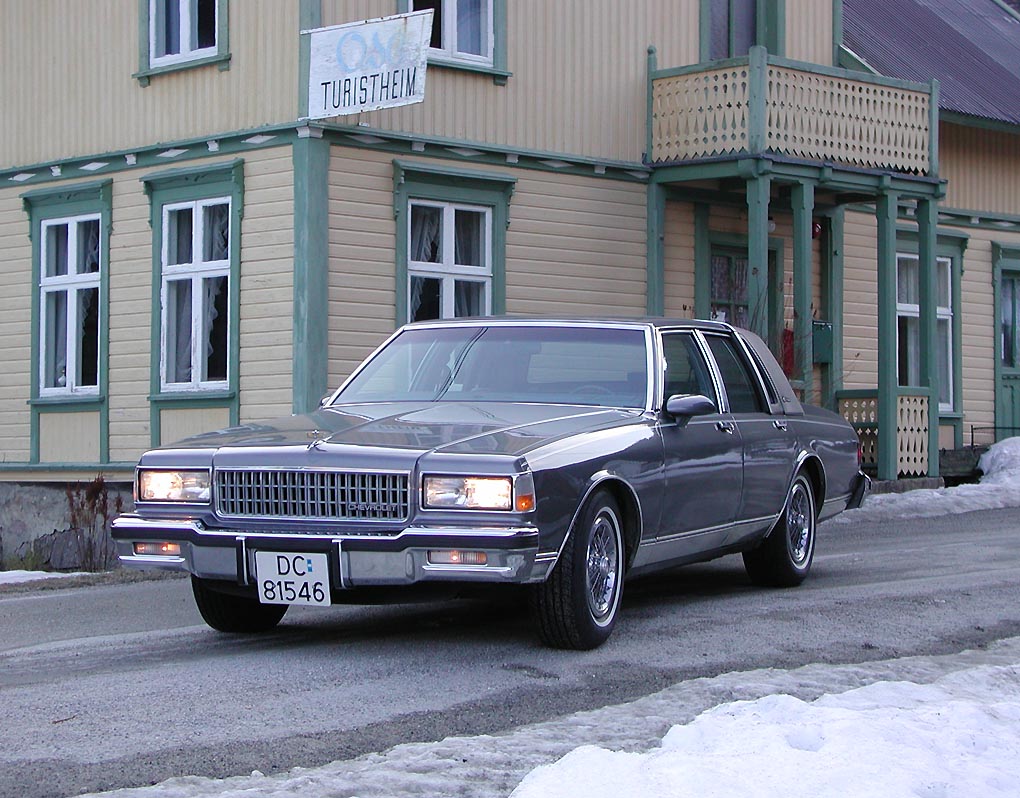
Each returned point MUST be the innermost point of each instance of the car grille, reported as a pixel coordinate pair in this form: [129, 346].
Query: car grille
[327, 495]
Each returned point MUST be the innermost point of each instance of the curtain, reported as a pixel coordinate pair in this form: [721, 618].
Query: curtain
[467, 238]
[56, 339]
[211, 289]
[179, 330]
[217, 233]
[471, 26]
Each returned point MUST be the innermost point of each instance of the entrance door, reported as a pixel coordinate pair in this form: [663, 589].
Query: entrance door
[1007, 393]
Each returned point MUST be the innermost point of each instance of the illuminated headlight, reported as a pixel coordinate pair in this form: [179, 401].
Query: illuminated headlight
[479, 493]
[173, 486]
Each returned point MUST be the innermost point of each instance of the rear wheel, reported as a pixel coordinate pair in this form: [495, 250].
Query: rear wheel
[229, 613]
[784, 557]
[577, 606]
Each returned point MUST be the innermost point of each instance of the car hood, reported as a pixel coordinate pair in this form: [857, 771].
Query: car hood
[453, 427]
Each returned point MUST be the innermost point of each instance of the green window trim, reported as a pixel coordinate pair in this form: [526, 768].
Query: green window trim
[190, 184]
[147, 70]
[94, 197]
[952, 245]
[770, 28]
[1005, 259]
[413, 180]
[498, 69]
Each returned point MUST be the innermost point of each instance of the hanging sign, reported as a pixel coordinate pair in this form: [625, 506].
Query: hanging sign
[365, 66]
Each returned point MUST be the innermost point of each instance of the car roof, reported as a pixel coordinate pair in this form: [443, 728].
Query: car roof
[659, 322]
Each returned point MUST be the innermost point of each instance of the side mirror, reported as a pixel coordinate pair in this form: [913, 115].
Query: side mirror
[325, 399]
[688, 405]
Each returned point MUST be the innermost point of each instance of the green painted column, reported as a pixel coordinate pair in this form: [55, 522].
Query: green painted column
[702, 262]
[803, 200]
[927, 242]
[758, 189]
[832, 290]
[888, 461]
[655, 302]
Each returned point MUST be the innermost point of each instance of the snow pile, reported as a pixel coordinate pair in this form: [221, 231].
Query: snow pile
[958, 736]
[999, 488]
[16, 577]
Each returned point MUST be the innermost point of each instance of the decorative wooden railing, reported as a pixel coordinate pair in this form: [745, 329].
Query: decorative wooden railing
[860, 408]
[764, 104]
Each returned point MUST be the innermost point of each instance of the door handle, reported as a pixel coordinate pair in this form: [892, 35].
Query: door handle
[780, 423]
[726, 426]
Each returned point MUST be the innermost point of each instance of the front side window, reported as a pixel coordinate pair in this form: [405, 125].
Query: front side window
[908, 325]
[69, 286]
[449, 261]
[181, 30]
[462, 30]
[196, 255]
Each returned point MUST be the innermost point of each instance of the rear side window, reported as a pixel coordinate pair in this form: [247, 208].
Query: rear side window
[741, 386]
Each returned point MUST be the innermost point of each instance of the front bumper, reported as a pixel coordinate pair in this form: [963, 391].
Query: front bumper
[512, 553]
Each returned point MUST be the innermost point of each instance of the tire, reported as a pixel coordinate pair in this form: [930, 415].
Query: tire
[577, 606]
[229, 613]
[784, 558]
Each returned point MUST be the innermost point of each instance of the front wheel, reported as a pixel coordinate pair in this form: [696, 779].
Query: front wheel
[229, 613]
[784, 557]
[577, 606]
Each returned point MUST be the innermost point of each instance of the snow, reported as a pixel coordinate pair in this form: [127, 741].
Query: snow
[16, 577]
[915, 727]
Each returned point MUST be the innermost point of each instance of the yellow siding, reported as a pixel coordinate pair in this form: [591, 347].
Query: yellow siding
[809, 31]
[77, 84]
[15, 328]
[860, 302]
[267, 285]
[579, 77]
[177, 424]
[575, 245]
[69, 437]
[678, 261]
[981, 166]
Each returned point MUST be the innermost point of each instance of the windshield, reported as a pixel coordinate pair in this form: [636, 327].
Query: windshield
[530, 363]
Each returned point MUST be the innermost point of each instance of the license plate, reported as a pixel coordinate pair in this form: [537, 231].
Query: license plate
[292, 578]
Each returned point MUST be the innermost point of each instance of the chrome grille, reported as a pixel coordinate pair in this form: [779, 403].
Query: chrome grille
[327, 495]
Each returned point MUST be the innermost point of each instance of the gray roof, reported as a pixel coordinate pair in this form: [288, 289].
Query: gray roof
[971, 46]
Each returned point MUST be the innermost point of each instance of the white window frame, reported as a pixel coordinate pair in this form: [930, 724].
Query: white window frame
[450, 52]
[196, 271]
[71, 284]
[448, 271]
[943, 314]
[188, 13]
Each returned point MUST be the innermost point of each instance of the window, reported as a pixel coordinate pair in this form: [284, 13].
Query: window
[733, 27]
[1009, 309]
[729, 289]
[462, 30]
[908, 325]
[181, 30]
[69, 305]
[686, 372]
[451, 241]
[196, 256]
[449, 261]
[741, 386]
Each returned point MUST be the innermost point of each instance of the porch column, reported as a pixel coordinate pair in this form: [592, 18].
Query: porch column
[803, 199]
[888, 459]
[927, 222]
[655, 304]
[758, 189]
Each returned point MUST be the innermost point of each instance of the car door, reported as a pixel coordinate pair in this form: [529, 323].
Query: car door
[703, 457]
[769, 446]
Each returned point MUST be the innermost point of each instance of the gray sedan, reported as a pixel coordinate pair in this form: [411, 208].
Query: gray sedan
[567, 456]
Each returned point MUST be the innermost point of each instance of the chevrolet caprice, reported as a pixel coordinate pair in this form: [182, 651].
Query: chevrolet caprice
[566, 456]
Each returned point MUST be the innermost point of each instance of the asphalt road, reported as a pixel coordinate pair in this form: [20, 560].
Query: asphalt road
[122, 685]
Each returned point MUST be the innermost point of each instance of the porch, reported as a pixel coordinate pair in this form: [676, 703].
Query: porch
[772, 135]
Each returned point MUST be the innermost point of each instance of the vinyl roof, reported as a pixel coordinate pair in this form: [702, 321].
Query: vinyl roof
[972, 47]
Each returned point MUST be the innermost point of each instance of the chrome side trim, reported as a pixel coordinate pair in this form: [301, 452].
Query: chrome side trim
[467, 569]
[151, 559]
[769, 519]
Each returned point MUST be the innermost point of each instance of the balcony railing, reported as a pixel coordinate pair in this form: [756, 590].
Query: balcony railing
[860, 408]
[764, 104]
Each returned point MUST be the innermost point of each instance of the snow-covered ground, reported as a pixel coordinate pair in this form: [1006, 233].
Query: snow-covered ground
[919, 727]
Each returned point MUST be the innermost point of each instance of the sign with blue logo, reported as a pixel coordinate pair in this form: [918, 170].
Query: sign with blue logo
[365, 66]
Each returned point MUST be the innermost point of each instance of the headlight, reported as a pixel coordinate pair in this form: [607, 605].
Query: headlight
[173, 486]
[471, 493]
[479, 493]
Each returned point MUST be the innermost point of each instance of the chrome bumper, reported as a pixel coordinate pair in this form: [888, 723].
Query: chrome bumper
[356, 561]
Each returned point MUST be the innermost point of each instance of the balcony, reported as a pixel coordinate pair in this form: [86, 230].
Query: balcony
[762, 104]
